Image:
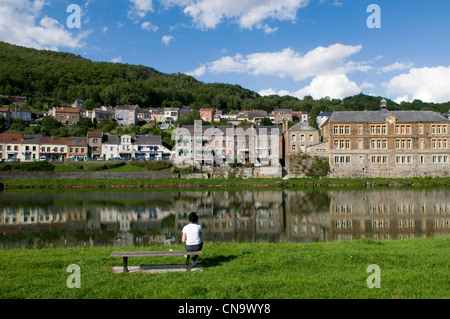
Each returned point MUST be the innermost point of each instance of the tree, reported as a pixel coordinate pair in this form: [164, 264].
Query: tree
[266, 122]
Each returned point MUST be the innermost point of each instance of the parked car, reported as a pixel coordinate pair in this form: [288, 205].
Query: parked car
[99, 158]
[43, 159]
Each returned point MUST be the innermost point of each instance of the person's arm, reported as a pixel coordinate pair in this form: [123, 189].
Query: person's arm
[183, 238]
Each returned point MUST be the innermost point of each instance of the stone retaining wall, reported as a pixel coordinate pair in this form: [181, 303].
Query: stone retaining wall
[4, 176]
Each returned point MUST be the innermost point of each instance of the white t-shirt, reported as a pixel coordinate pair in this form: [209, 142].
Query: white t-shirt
[192, 232]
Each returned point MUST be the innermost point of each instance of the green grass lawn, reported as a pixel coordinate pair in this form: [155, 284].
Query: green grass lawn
[409, 269]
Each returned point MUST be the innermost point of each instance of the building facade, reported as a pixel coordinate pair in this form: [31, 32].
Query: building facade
[299, 137]
[388, 144]
[66, 115]
[221, 145]
[95, 144]
[127, 115]
[10, 145]
[78, 148]
[54, 148]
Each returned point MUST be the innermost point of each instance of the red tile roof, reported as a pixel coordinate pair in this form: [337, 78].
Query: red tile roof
[11, 138]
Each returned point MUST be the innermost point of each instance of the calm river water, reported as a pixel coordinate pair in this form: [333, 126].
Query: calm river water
[127, 218]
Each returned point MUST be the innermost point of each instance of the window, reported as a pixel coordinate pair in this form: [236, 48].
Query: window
[341, 144]
[378, 144]
[439, 143]
[293, 147]
[342, 160]
[360, 129]
[311, 138]
[420, 129]
[403, 159]
[380, 159]
[403, 129]
[439, 159]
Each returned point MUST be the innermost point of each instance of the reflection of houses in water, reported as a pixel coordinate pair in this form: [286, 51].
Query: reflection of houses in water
[79, 225]
[278, 215]
[237, 216]
[307, 216]
[396, 214]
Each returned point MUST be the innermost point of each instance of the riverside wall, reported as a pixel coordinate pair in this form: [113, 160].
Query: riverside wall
[4, 176]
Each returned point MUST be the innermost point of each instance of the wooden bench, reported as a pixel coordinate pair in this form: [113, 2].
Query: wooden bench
[126, 254]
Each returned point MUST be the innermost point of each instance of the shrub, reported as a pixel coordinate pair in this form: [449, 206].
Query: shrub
[153, 165]
[27, 167]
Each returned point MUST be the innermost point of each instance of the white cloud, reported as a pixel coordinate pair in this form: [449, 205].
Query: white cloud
[268, 29]
[288, 63]
[140, 8]
[104, 29]
[149, 26]
[198, 72]
[427, 84]
[333, 85]
[20, 24]
[207, 14]
[117, 60]
[166, 39]
[397, 66]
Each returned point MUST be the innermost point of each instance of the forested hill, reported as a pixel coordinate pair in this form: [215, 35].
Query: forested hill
[60, 78]
[51, 78]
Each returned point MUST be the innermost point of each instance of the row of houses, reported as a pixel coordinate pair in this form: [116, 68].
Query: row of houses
[31, 147]
[355, 143]
[277, 116]
[125, 115]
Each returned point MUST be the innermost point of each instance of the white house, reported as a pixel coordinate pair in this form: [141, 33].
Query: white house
[110, 147]
[150, 148]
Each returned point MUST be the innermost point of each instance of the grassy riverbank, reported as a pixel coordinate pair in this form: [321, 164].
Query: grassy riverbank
[409, 269]
[228, 183]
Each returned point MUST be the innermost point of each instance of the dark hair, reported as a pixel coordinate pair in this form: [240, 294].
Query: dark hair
[193, 217]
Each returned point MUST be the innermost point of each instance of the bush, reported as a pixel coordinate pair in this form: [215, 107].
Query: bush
[93, 166]
[153, 165]
[27, 167]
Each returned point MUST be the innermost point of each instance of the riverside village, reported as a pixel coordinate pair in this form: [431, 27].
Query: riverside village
[343, 144]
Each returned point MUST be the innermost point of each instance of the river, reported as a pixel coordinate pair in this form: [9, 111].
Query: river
[141, 218]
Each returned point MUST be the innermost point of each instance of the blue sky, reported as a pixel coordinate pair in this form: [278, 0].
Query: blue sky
[287, 47]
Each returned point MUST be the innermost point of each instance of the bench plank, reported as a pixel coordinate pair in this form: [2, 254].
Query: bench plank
[154, 253]
[126, 254]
